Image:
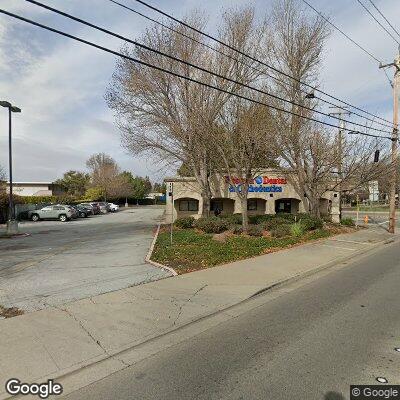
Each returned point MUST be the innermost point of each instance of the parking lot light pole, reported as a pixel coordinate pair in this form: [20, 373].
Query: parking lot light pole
[12, 224]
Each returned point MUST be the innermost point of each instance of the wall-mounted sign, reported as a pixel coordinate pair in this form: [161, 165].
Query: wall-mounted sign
[170, 189]
[258, 184]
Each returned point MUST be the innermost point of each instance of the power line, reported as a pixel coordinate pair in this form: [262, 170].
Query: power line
[383, 16]
[140, 45]
[240, 61]
[351, 40]
[262, 63]
[342, 32]
[124, 56]
[377, 21]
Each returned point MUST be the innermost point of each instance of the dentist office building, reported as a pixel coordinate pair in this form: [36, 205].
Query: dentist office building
[270, 192]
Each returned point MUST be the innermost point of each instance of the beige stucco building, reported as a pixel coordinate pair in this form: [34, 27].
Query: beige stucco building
[34, 188]
[269, 193]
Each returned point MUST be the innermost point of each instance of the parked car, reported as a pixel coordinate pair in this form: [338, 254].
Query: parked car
[88, 207]
[93, 206]
[63, 213]
[113, 207]
[73, 210]
[104, 207]
[82, 212]
[96, 207]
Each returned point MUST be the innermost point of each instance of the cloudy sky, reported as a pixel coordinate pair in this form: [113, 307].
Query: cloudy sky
[60, 84]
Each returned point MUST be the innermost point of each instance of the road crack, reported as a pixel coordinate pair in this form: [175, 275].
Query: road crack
[84, 329]
[187, 301]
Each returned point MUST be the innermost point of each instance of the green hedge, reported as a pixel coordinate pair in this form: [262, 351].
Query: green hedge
[281, 231]
[260, 219]
[310, 223]
[232, 218]
[212, 224]
[255, 230]
[276, 221]
[35, 199]
[185, 223]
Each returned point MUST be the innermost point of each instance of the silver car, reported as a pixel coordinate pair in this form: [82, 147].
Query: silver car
[104, 207]
[63, 213]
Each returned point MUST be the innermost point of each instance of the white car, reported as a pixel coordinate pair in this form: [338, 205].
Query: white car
[113, 207]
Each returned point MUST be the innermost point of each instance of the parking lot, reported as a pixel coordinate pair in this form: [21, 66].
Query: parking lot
[380, 219]
[63, 261]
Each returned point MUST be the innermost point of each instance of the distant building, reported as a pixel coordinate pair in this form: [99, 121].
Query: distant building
[35, 189]
[373, 189]
[154, 195]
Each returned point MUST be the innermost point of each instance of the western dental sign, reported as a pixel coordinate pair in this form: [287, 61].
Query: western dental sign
[258, 184]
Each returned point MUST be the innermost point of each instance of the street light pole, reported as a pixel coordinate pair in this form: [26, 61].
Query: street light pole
[10, 200]
[12, 224]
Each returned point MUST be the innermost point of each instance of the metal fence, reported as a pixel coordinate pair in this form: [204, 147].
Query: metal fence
[20, 210]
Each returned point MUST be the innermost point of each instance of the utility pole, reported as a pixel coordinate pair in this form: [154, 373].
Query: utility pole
[171, 195]
[395, 139]
[340, 111]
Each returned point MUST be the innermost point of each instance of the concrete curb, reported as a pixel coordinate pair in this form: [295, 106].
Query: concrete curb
[149, 254]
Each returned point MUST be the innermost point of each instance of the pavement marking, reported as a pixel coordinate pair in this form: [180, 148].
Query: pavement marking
[338, 247]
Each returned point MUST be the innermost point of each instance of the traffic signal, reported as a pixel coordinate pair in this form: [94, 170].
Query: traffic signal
[376, 156]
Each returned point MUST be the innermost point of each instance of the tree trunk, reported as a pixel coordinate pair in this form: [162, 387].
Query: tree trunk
[205, 212]
[314, 206]
[202, 177]
[245, 221]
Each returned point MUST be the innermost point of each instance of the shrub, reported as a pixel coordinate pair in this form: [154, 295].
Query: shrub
[275, 222]
[287, 216]
[255, 230]
[212, 224]
[235, 219]
[297, 229]
[185, 222]
[237, 229]
[347, 221]
[260, 219]
[310, 223]
[281, 231]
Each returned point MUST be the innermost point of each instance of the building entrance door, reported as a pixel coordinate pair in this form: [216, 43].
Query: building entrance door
[283, 206]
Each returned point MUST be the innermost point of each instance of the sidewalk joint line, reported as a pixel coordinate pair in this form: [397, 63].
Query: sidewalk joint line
[338, 247]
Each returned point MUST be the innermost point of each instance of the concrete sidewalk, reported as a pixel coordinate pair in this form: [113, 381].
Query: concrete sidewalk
[59, 340]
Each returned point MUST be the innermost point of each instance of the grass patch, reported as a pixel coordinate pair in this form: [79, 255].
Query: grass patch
[193, 250]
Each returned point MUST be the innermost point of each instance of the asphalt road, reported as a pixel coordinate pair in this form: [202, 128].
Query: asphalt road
[310, 342]
[61, 262]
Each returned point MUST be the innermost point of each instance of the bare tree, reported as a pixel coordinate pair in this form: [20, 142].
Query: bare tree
[311, 153]
[169, 117]
[105, 174]
[243, 150]
[320, 157]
